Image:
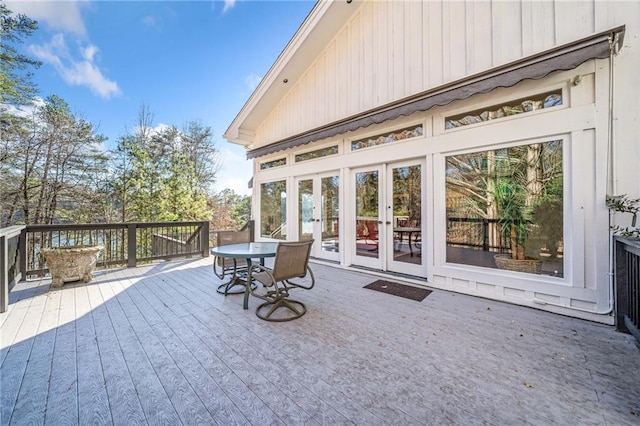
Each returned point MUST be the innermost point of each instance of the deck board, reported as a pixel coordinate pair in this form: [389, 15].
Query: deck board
[93, 399]
[31, 402]
[155, 402]
[157, 345]
[123, 399]
[62, 400]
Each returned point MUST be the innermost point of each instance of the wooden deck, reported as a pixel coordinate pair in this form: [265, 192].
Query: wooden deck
[157, 345]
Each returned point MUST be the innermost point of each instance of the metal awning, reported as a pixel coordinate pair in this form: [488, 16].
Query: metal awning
[561, 58]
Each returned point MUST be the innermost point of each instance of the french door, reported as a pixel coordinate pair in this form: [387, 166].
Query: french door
[318, 206]
[387, 220]
[404, 191]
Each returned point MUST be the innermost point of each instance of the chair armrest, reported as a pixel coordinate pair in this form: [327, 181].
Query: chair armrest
[304, 286]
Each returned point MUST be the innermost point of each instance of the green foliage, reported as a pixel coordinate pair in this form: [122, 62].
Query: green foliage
[624, 204]
[514, 214]
[16, 85]
[53, 167]
[229, 210]
[50, 173]
[164, 175]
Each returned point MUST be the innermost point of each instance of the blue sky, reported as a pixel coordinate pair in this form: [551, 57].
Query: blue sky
[184, 59]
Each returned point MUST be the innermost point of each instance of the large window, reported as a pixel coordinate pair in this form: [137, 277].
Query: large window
[273, 209]
[504, 208]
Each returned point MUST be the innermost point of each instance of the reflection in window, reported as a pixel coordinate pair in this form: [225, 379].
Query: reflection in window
[330, 213]
[318, 153]
[271, 164]
[273, 210]
[407, 211]
[531, 103]
[504, 208]
[396, 135]
[305, 206]
[367, 215]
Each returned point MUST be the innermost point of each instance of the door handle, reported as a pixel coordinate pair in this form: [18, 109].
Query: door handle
[388, 223]
[379, 222]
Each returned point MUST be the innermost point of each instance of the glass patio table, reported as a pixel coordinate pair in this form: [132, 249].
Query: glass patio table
[248, 251]
[410, 231]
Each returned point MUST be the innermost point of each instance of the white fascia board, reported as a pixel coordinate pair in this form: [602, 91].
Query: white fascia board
[318, 28]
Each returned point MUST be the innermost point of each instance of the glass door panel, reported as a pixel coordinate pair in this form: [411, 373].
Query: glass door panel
[305, 209]
[367, 218]
[405, 217]
[329, 216]
[406, 213]
[318, 207]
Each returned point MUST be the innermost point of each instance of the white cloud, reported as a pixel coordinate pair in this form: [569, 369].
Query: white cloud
[149, 21]
[59, 15]
[23, 110]
[252, 81]
[228, 4]
[81, 71]
[154, 130]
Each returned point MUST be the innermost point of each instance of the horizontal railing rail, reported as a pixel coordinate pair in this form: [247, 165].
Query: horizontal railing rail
[123, 243]
[627, 280]
[476, 233]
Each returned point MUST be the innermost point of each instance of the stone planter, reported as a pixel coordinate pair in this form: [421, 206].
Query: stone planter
[531, 266]
[75, 263]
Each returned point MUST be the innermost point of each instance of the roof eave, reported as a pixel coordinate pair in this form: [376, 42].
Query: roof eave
[318, 28]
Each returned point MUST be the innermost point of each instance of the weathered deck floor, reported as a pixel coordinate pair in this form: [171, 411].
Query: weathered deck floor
[157, 345]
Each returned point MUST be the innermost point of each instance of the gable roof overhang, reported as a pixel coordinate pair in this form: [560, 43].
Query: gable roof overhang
[319, 27]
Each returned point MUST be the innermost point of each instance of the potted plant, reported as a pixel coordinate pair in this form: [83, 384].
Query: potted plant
[547, 214]
[514, 218]
[73, 263]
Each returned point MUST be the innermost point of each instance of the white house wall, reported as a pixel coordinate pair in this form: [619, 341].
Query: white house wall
[393, 49]
[390, 50]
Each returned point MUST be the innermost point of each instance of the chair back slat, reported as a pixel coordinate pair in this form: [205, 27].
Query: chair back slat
[292, 260]
[224, 238]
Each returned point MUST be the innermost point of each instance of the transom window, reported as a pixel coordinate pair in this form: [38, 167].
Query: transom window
[388, 137]
[318, 153]
[519, 106]
[273, 163]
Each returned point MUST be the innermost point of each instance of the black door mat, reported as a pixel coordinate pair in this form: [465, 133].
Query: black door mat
[397, 289]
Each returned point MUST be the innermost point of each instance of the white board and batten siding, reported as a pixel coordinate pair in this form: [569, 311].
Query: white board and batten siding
[389, 50]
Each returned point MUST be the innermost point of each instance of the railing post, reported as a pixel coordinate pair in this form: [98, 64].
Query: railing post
[204, 238]
[4, 274]
[622, 286]
[485, 234]
[131, 245]
[22, 246]
[252, 230]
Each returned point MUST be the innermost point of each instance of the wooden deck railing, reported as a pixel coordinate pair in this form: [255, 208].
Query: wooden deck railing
[627, 278]
[124, 244]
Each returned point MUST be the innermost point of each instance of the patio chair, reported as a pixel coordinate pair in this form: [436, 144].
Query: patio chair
[222, 266]
[291, 262]
[367, 233]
